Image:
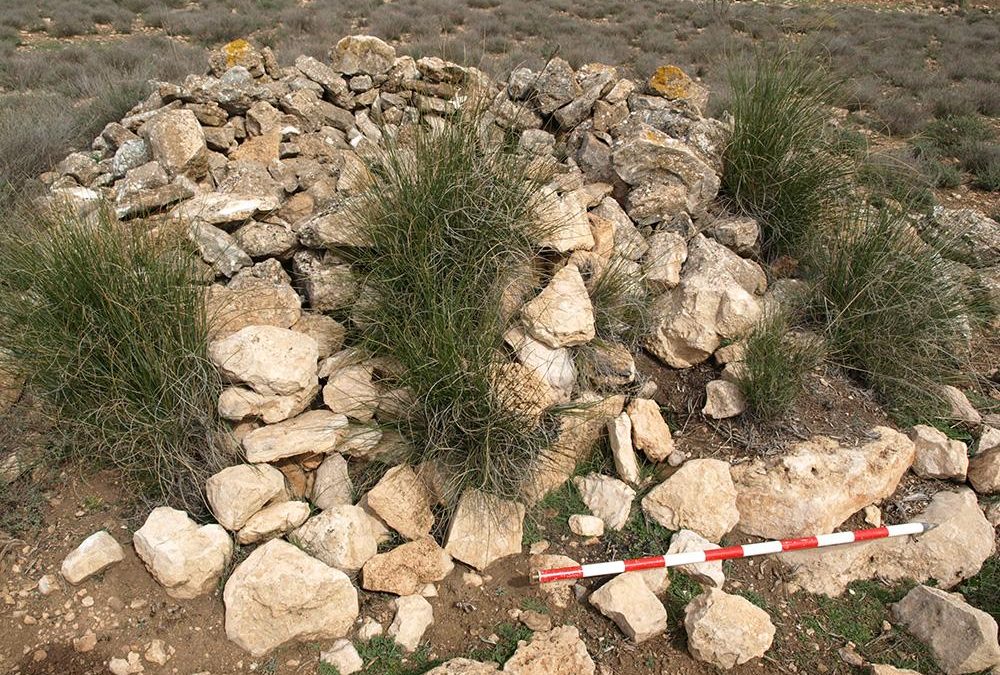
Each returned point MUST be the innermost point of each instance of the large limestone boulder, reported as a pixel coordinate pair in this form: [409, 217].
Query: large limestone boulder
[362, 55]
[561, 315]
[184, 558]
[938, 456]
[406, 569]
[629, 602]
[484, 528]
[403, 502]
[652, 162]
[726, 630]
[719, 297]
[951, 552]
[273, 521]
[607, 498]
[961, 638]
[559, 651]
[316, 431]
[95, 554]
[650, 432]
[238, 492]
[272, 360]
[252, 298]
[700, 496]
[177, 142]
[280, 595]
[818, 484]
[341, 537]
[414, 615]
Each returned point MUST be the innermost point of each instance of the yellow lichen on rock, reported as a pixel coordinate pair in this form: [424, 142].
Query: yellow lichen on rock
[236, 51]
[673, 83]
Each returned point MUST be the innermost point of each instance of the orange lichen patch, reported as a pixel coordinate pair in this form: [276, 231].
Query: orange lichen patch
[236, 51]
[671, 82]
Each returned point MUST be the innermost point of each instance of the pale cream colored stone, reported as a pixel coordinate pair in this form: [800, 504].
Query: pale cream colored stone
[315, 431]
[628, 601]
[650, 432]
[726, 630]
[484, 529]
[273, 521]
[340, 536]
[184, 558]
[403, 502]
[700, 496]
[607, 498]
[238, 492]
[95, 554]
[561, 315]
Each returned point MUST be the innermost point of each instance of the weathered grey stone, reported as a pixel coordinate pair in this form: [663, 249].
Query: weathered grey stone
[332, 486]
[177, 142]
[961, 638]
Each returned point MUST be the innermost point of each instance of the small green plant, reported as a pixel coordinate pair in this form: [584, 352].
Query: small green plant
[533, 604]
[893, 309]
[775, 364]
[620, 298]
[640, 537]
[108, 324]
[781, 166]
[950, 134]
[509, 635]
[382, 656]
[450, 216]
[327, 669]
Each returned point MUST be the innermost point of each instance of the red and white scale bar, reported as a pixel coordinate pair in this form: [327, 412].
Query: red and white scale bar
[727, 553]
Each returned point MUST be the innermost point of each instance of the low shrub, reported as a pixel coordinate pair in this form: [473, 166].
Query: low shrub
[449, 215]
[779, 165]
[775, 363]
[894, 312]
[951, 134]
[108, 324]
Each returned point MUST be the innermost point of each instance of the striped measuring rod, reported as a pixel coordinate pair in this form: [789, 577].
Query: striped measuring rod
[727, 553]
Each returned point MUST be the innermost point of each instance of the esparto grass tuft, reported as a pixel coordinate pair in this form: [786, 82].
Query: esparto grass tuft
[107, 322]
[450, 218]
[780, 165]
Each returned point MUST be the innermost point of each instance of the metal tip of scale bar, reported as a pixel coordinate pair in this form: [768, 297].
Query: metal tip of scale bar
[929, 526]
[535, 577]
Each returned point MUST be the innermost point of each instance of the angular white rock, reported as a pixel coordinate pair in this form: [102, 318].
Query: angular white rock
[938, 456]
[607, 498]
[272, 360]
[650, 432]
[184, 558]
[94, 554]
[700, 496]
[273, 521]
[414, 615]
[316, 431]
[238, 492]
[620, 439]
[332, 484]
[340, 536]
[484, 528]
[586, 526]
[629, 602]
[561, 315]
[726, 630]
[709, 573]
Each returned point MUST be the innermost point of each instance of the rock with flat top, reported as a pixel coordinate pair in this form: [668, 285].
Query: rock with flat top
[954, 550]
[315, 431]
[937, 456]
[818, 484]
[238, 492]
[403, 502]
[650, 432]
[95, 554]
[408, 568]
[629, 602]
[273, 521]
[184, 558]
[484, 529]
[700, 496]
[414, 615]
[280, 595]
[271, 360]
[961, 638]
[561, 315]
[607, 498]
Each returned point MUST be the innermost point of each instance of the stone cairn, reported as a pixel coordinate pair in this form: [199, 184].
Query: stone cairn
[260, 163]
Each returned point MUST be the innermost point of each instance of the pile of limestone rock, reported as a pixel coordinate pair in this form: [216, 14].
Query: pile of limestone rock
[260, 163]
